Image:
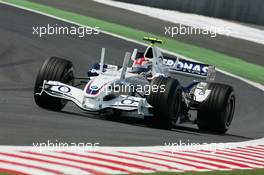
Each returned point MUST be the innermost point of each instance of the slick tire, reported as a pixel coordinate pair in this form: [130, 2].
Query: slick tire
[216, 113]
[166, 102]
[54, 69]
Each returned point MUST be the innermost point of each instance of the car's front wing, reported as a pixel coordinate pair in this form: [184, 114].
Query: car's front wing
[76, 95]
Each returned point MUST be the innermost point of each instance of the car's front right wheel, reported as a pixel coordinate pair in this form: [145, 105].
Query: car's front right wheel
[216, 113]
[54, 69]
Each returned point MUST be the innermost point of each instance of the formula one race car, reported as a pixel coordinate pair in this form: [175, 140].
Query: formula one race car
[146, 89]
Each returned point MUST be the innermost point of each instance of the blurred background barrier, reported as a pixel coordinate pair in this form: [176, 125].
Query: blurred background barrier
[249, 11]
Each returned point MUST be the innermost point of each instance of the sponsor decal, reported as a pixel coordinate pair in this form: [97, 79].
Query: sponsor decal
[64, 89]
[187, 66]
[127, 101]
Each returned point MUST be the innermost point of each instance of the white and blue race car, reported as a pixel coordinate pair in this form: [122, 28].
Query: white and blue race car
[147, 89]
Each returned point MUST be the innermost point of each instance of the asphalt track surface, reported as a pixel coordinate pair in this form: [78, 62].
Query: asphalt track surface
[246, 50]
[23, 123]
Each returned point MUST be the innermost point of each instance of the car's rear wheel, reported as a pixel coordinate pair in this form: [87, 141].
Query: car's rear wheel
[166, 101]
[54, 69]
[216, 113]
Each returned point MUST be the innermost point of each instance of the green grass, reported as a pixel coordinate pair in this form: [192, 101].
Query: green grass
[231, 64]
[235, 172]
[3, 173]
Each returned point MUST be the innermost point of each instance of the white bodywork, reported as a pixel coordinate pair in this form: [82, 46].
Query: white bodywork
[93, 96]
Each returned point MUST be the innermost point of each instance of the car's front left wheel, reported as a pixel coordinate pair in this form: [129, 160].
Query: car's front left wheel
[166, 98]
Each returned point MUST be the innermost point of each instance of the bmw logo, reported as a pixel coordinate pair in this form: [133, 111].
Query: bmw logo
[94, 87]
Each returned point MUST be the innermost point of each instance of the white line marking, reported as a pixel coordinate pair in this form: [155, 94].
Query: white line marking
[219, 158]
[41, 165]
[245, 150]
[197, 161]
[250, 162]
[241, 155]
[108, 163]
[22, 169]
[150, 160]
[184, 161]
[160, 167]
[254, 84]
[151, 164]
[168, 161]
[246, 153]
[234, 30]
[79, 166]
[52, 166]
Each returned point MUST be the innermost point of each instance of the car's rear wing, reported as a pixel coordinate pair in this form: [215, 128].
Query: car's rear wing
[190, 68]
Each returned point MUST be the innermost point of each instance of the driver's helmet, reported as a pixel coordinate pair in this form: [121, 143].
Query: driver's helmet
[140, 64]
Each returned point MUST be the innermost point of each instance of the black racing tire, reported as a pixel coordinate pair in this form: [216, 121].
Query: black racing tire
[216, 113]
[166, 104]
[54, 69]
